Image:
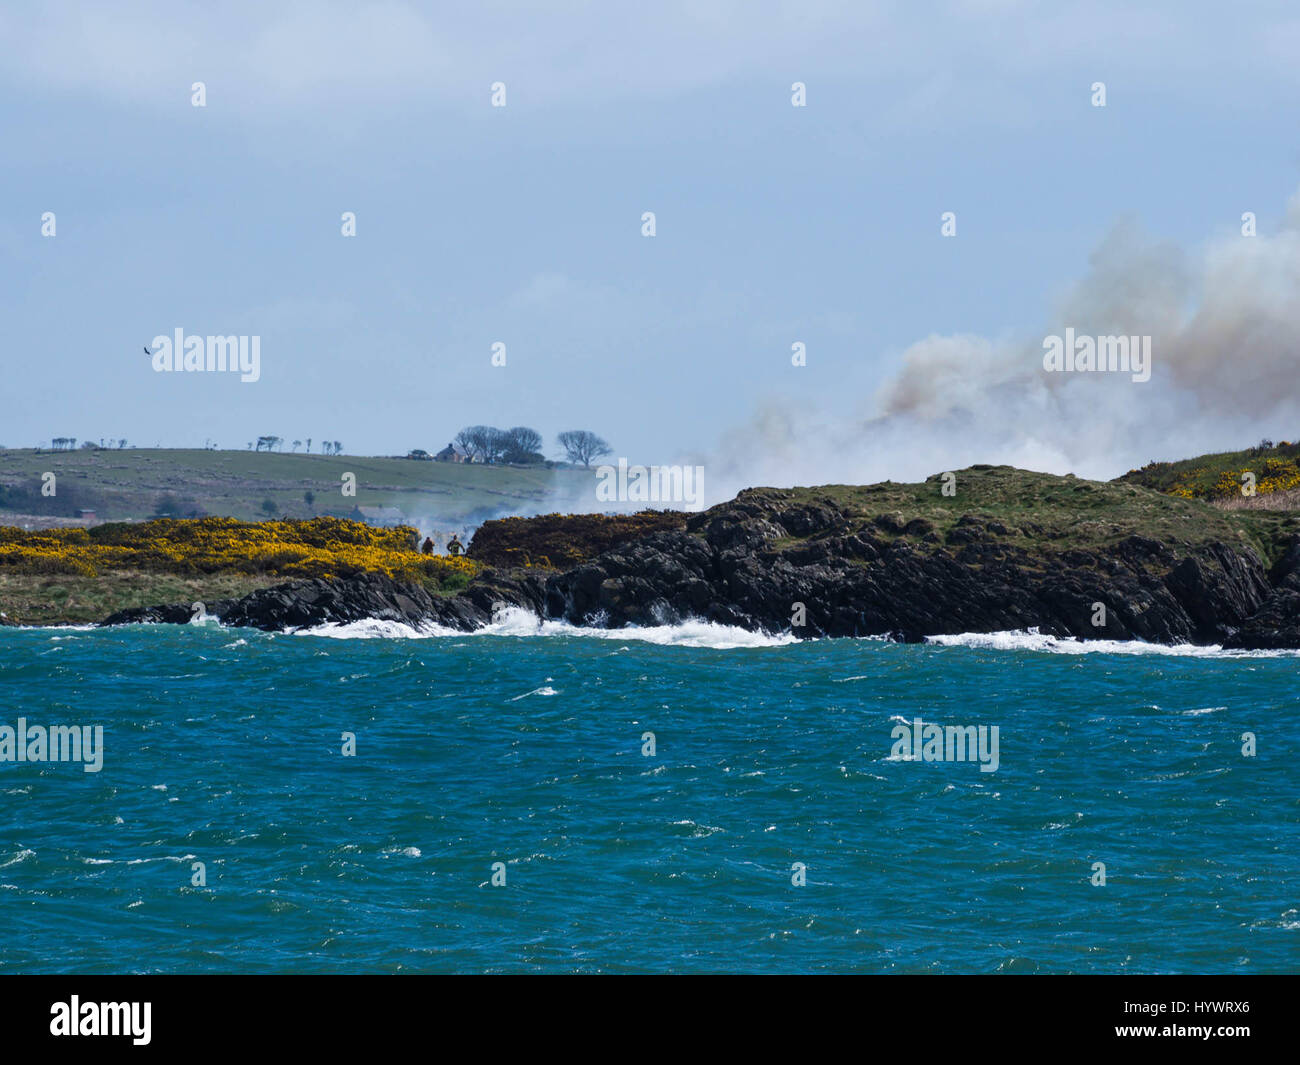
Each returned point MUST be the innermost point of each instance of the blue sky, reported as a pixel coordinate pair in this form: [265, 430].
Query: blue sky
[775, 224]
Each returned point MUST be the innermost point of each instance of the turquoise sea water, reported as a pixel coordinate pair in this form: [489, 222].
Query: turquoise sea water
[224, 746]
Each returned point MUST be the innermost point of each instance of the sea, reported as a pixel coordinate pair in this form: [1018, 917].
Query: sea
[687, 799]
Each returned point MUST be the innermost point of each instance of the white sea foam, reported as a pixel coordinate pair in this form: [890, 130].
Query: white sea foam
[1033, 640]
[516, 621]
[21, 856]
[163, 858]
[519, 622]
[546, 690]
[376, 629]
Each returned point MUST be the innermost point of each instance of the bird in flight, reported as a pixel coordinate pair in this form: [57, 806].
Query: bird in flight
[147, 351]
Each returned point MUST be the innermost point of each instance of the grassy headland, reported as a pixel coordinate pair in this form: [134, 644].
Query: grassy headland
[1042, 513]
[81, 575]
[1220, 477]
[84, 574]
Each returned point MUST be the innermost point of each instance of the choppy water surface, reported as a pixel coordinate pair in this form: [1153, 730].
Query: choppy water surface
[525, 747]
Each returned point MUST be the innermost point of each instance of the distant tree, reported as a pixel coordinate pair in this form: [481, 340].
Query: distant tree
[297, 444]
[121, 444]
[486, 443]
[309, 445]
[338, 447]
[309, 497]
[581, 446]
[166, 505]
[469, 442]
[89, 445]
[419, 454]
[496, 443]
[250, 445]
[268, 507]
[523, 444]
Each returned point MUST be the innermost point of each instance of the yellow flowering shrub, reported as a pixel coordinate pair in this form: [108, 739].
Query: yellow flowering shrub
[322, 547]
[1276, 475]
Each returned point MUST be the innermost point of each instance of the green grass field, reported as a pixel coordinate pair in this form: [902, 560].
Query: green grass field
[1047, 515]
[129, 484]
[62, 599]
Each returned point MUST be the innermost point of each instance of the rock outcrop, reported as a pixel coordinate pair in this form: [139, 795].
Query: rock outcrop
[309, 603]
[857, 584]
[1131, 565]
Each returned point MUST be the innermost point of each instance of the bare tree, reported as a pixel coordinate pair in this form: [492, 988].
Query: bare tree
[498, 441]
[522, 443]
[581, 446]
[484, 442]
[467, 441]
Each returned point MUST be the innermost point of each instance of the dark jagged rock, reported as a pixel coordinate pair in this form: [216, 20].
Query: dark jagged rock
[308, 603]
[173, 614]
[856, 582]
[1276, 625]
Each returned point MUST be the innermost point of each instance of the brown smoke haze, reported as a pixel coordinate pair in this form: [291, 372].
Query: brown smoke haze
[1224, 322]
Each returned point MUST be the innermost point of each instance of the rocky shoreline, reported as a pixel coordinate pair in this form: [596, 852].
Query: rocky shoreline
[819, 563]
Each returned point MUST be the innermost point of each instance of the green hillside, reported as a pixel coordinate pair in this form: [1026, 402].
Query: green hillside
[1276, 469]
[133, 484]
[1043, 513]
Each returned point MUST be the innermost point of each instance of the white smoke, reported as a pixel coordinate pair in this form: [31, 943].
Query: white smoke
[1224, 323]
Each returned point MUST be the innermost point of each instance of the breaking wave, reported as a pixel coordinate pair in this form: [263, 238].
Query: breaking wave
[1033, 640]
[518, 622]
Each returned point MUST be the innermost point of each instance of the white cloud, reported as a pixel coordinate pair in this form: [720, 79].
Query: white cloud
[327, 59]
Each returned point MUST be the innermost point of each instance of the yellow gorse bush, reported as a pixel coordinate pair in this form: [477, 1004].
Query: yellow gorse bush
[1276, 475]
[322, 547]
